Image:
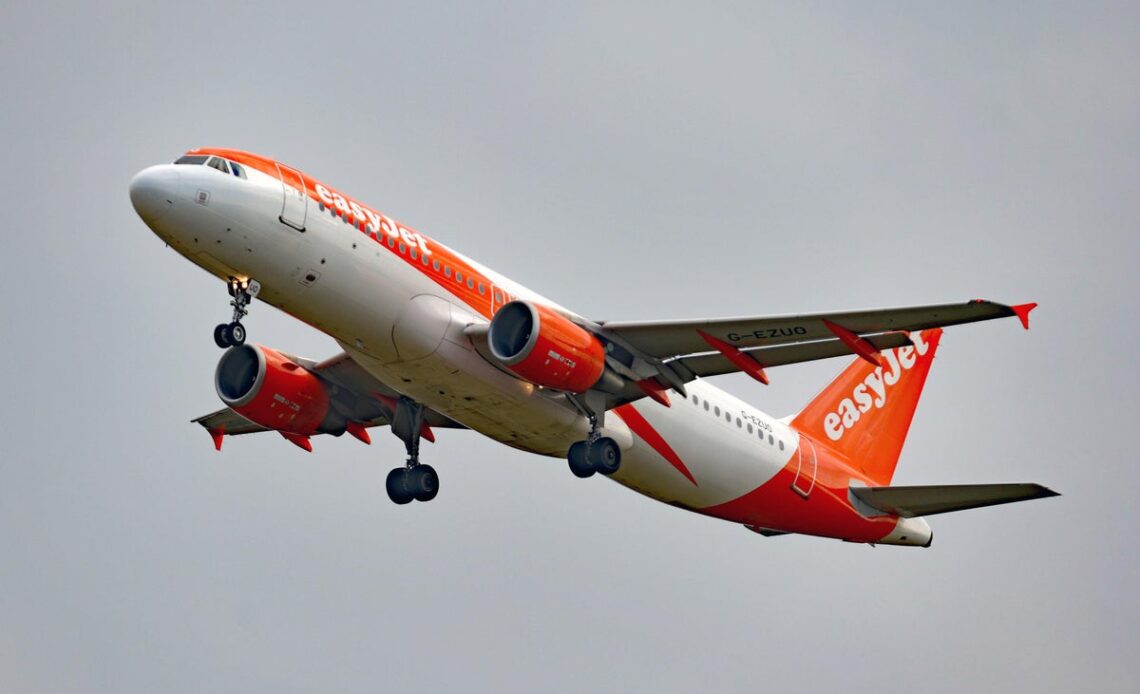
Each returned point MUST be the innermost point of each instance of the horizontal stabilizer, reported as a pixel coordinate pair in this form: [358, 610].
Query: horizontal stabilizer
[909, 502]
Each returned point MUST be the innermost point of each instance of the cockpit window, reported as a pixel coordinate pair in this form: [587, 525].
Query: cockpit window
[223, 165]
[219, 164]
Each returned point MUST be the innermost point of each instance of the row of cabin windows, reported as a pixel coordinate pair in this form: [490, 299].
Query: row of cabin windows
[413, 252]
[224, 165]
[740, 424]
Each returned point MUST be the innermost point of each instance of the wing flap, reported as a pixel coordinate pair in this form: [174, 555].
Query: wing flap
[714, 364]
[929, 500]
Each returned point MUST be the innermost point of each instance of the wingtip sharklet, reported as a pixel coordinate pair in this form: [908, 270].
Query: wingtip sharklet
[1022, 312]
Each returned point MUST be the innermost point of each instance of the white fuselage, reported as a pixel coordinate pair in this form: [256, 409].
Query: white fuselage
[408, 331]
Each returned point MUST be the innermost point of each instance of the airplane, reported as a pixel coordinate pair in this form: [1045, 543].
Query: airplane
[433, 340]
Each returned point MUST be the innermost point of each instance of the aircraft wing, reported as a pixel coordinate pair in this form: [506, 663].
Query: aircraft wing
[654, 356]
[665, 339]
[356, 394]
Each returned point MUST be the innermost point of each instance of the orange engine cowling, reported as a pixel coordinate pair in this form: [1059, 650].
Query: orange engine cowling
[545, 348]
[270, 389]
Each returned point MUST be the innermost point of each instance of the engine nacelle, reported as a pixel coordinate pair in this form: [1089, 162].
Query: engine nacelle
[545, 348]
[269, 389]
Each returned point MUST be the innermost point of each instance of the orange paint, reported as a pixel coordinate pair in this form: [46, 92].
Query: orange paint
[564, 355]
[291, 400]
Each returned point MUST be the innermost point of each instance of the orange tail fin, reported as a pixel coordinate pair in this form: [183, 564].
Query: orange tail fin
[865, 412]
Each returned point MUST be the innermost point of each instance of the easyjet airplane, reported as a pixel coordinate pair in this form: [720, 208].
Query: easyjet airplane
[433, 340]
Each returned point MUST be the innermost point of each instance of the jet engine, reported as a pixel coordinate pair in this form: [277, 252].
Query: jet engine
[270, 389]
[546, 348]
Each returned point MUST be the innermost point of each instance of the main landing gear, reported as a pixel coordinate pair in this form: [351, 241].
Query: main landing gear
[232, 334]
[596, 454]
[415, 480]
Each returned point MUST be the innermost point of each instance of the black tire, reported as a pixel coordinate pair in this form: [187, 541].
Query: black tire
[397, 486]
[606, 456]
[423, 482]
[579, 459]
[222, 336]
[237, 334]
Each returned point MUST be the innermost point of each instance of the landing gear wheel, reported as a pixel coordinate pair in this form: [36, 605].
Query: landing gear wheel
[423, 482]
[579, 460]
[605, 455]
[397, 484]
[222, 336]
[237, 334]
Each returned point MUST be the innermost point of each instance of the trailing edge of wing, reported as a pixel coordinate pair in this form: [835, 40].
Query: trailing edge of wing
[909, 502]
[714, 364]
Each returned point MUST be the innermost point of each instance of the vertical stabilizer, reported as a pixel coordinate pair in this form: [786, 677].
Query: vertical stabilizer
[865, 412]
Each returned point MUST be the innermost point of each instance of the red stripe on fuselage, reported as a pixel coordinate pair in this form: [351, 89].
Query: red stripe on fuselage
[645, 430]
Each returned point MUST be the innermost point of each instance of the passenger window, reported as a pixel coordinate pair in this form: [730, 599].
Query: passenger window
[482, 289]
[435, 265]
[781, 445]
[415, 255]
[470, 283]
[458, 276]
[772, 441]
[739, 423]
[696, 400]
[425, 261]
[706, 405]
[447, 271]
[717, 410]
[499, 300]
[749, 428]
[728, 417]
[391, 242]
[403, 249]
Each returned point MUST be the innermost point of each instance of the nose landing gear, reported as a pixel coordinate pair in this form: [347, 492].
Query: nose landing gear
[232, 334]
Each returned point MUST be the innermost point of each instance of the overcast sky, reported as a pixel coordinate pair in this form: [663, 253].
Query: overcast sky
[667, 160]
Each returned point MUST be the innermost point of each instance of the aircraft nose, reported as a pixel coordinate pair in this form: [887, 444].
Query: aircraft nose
[153, 191]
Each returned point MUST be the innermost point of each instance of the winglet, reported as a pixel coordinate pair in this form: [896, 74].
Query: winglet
[1022, 312]
[855, 343]
[744, 361]
[217, 435]
[298, 441]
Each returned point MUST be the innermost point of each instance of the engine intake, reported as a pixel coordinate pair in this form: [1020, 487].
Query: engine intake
[546, 348]
[269, 389]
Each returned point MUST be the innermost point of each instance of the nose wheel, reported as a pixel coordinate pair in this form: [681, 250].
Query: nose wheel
[232, 334]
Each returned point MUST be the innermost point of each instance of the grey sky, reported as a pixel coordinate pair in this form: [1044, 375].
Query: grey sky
[633, 162]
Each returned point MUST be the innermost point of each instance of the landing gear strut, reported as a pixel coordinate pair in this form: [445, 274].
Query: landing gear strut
[596, 454]
[415, 480]
[232, 334]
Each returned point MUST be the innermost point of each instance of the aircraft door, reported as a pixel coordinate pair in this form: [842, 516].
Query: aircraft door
[295, 204]
[807, 465]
